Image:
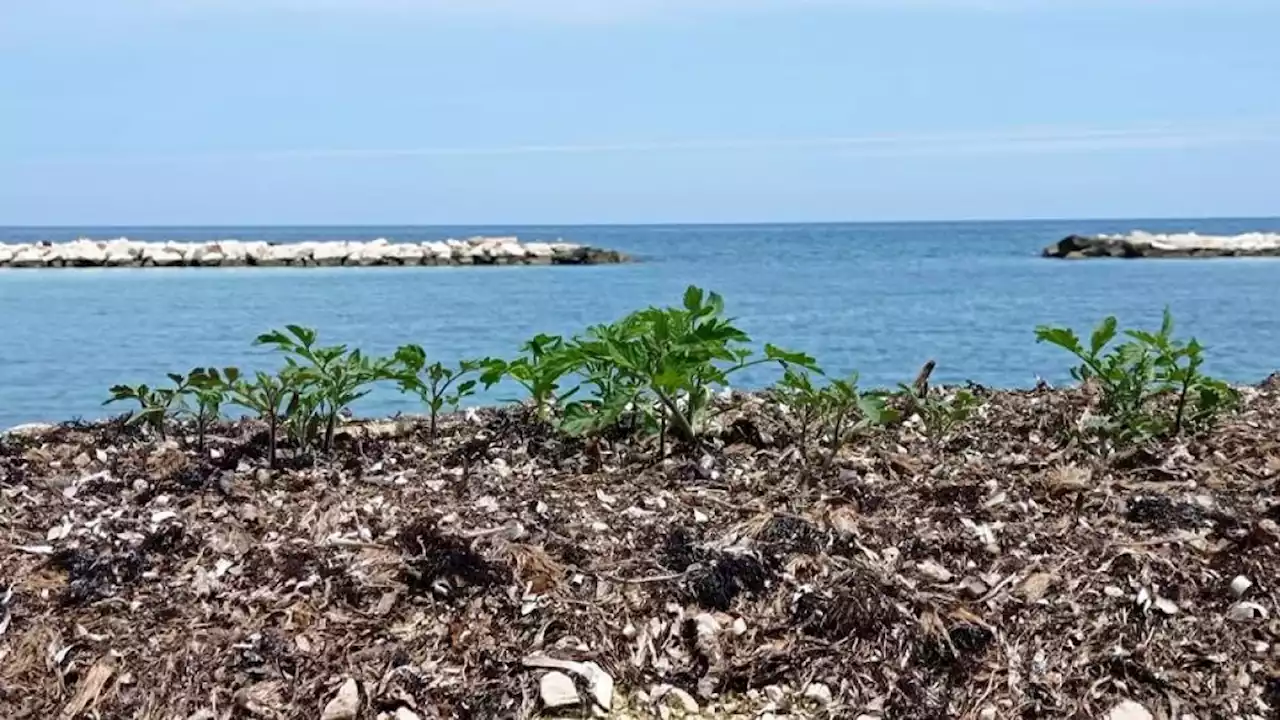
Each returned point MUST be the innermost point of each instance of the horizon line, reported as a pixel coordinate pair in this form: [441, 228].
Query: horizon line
[750, 223]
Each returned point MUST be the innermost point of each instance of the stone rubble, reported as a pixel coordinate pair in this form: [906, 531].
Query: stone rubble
[122, 252]
[1140, 244]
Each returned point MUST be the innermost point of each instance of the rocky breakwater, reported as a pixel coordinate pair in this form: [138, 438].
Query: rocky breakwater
[123, 252]
[1181, 245]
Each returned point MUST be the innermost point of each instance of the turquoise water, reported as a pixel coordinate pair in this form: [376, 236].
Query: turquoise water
[878, 298]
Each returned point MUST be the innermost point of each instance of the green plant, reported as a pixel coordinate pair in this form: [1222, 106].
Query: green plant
[155, 405]
[434, 383]
[327, 379]
[1136, 376]
[538, 370]
[668, 359]
[850, 411]
[210, 389]
[304, 419]
[940, 411]
[265, 395]
[608, 391]
[838, 408]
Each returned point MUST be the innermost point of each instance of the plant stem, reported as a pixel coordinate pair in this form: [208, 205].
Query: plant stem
[331, 425]
[835, 442]
[681, 424]
[1182, 404]
[271, 440]
[662, 432]
[804, 435]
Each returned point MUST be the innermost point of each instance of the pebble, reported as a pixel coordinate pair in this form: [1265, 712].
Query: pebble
[345, 705]
[1270, 529]
[557, 690]
[1129, 710]
[1035, 586]
[1247, 612]
[1240, 585]
[674, 697]
[934, 571]
[600, 685]
[819, 693]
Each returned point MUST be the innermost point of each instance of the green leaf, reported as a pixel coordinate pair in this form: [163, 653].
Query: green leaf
[693, 299]
[275, 337]
[1062, 337]
[800, 359]
[1104, 333]
[306, 336]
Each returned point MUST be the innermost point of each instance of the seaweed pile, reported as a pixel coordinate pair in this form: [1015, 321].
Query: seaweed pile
[502, 570]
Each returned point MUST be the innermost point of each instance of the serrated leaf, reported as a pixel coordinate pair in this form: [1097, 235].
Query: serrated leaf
[1104, 333]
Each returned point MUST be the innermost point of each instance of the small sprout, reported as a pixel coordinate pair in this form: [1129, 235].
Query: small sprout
[324, 381]
[838, 408]
[940, 411]
[210, 389]
[539, 370]
[155, 405]
[265, 395]
[438, 385]
[1136, 375]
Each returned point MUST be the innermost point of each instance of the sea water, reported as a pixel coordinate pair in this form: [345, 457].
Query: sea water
[880, 299]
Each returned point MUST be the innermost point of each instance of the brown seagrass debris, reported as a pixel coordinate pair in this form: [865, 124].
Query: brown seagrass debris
[503, 570]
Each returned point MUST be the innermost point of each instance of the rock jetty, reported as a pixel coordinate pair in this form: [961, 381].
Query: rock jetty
[1180, 245]
[123, 252]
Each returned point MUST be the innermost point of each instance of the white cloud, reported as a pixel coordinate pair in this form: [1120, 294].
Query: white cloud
[568, 10]
[1008, 142]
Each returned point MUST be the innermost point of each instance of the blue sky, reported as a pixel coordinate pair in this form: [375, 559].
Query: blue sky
[581, 111]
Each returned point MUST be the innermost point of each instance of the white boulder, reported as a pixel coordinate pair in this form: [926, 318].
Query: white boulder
[331, 253]
[163, 255]
[441, 251]
[29, 257]
[374, 253]
[211, 258]
[281, 254]
[233, 252]
[82, 253]
[509, 250]
[406, 254]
